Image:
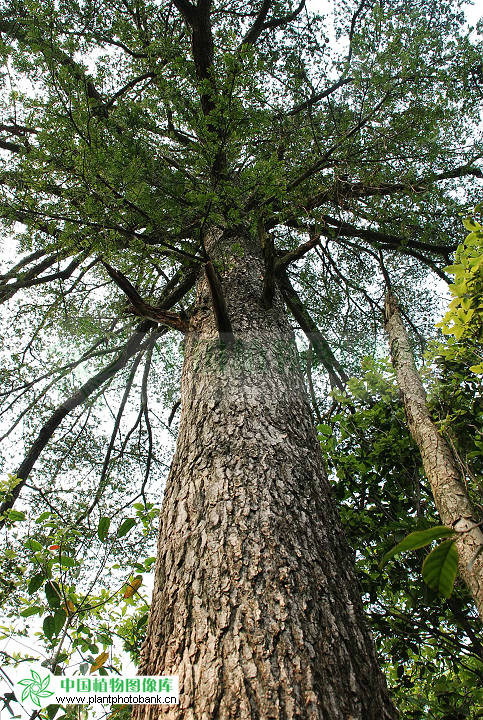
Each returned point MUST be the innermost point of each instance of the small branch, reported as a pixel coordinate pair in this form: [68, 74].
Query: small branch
[173, 412]
[117, 423]
[13, 147]
[310, 383]
[337, 375]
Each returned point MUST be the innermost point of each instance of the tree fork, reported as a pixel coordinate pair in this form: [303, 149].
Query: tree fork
[444, 476]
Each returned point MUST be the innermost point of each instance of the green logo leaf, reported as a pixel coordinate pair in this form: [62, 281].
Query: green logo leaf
[35, 688]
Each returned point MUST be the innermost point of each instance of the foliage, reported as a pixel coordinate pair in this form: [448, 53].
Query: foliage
[464, 318]
[432, 648]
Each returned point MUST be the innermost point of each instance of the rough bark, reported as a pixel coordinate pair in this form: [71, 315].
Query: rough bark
[256, 606]
[450, 495]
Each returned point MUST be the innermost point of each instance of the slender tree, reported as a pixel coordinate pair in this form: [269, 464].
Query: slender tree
[447, 484]
[147, 145]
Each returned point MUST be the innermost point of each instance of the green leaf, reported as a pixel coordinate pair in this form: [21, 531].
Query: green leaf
[49, 626]
[59, 620]
[43, 517]
[125, 527]
[15, 515]
[31, 611]
[35, 583]
[32, 544]
[416, 540]
[52, 710]
[67, 561]
[103, 528]
[470, 224]
[52, 593]
[440, 568]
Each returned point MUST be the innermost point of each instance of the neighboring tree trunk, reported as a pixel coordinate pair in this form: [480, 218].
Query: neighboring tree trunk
[450, 496]
[256, 606]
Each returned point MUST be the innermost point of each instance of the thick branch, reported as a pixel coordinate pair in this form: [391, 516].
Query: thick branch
[347, 189]
[334, 228]
[169, 297]
[266, 241]
[317, 97]
[12, 147]
[257, 28]
[202, 45]
[132, 346]
[322, 349]
[142, 309]
[220, 311]
[33, 277]
[261, 23]
[299, 252]
[117, 423]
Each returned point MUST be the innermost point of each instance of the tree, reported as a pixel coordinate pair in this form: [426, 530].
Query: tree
[451, 497]
[226, 145]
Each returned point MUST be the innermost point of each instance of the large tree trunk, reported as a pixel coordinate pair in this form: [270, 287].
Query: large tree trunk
[452, 502]
[256, 605]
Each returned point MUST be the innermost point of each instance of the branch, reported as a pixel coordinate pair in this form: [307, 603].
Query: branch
[320, 163]
[222, 320]
[173, 412]
[187, 10]
[132, 83]
[317, 97]
[112, 440]
[290, 257]
[266, 241]
[334, 228]
[252, 35]
[13, 29]
[343, 189]
[132, 346]
[21, 263]
[322, 349]
[310, 383]
[31, 278]
[142, 309]
[13, 147]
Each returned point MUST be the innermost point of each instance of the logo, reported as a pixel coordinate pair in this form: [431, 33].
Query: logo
[35, 689]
